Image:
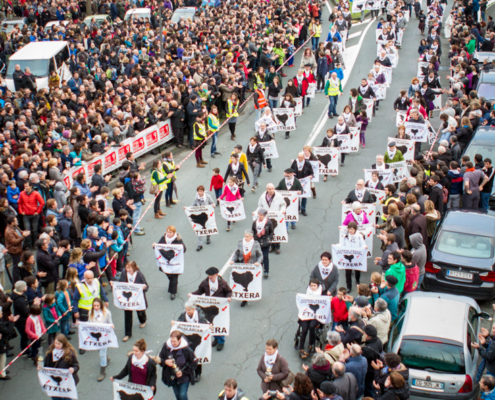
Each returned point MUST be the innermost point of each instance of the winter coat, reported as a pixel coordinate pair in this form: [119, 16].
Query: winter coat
[50, 318]
[63, 364]
[186, 361]
[412, 277]
[330, 283]
[358, 366]
[391, 296]
[381, 321]
[256, 254]
[265, 239]
[31, 330]
[399, 271]
[419, 252]
[62, 304]
[150, 372]
[280, 371]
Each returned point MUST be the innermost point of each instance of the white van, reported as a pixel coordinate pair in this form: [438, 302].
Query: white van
[183, 13]
[41, 58]
[137, 13]
[8, 24]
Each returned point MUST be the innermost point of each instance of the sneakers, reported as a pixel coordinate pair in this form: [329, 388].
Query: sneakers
[199, 248]
[139, 233]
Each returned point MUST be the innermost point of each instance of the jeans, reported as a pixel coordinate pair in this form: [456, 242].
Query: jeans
[273, 103]
[169, 192]
[31, 224]
[136, 215]
[266, 262]
[256, 174]
[103, 357]
[420, 281]
[332, 107]
[33, 350]
[485, 197]
[218, 193]
[191, 133]
[304, 201]
[156, 205]
[180, 390]
[214, 142]
[257, 114]
[471, 201]
[293, 223]
[268, 163]
[314, 42]
[454, 201]
[201, 240]
[65, 326]
[220, 339]
[446, 136]
[483, 15]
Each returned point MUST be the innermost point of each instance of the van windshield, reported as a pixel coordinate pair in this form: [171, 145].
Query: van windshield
[39, 68]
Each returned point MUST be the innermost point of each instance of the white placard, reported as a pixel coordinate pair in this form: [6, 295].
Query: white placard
[271, 125]
[379, 196]
[310, 92]
[352, 258]
[405, 146]
[328, 158]
[384, 175]
[199, 338]
[270, 149]
[366, 231]
[417, 132]
[345, 142]
[437, 102]
[170, 258]
[432, 135]
[298, 110]
[316, 171]
[314, 307]
[217, 312]
[279, 227]
[128, 296]
[399, 171]
[96, 336]
[232, 210]
[286, 119]
[387, 72]
[420, 75]
[245, 281]
[306, 184]
[202, 220]
[358, 6]
[369, 108]
[401, 118]
[57, 382]
[123, 390]
[354, 138]
[291, 199]
[380, 91]
[400, 35]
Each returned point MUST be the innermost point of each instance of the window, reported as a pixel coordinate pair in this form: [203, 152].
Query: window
[465, 245]
[486, 90]
[432, 355]
[39, 68]
[52, 66]
[471, 338]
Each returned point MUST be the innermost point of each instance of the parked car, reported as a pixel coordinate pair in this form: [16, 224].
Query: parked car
[99, 19]
[185, 12]
[433, 335]
[460, 256]
[137, 13]
[50, 24]
[8, 24]
[482, 55]
[486, 85]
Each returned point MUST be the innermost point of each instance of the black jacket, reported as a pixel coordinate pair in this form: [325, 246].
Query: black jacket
[398, 105]
[63, 364]
[393, 393]
[185, 360]
[6, 331]
[318, 377]
[436, 196]
[351, 197]
[265, 239]
[330, 142]
[256, 156]
[307, 169]
[177, 118]
[140, 279]
[239, 175]
[353, 334]
[150, 373]
[20, 306]
[48, 263]
[223, 290]
[178, 240]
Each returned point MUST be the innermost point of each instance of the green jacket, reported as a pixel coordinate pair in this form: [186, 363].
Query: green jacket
[471, 46]
[280, 53]
[399, 271]
[269, 78]
[398, 157]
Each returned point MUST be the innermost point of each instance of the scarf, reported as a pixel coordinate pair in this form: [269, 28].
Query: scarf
[131, 278]
[325, 271]
[213, 286]
[93, 288]
[346, 116]
[261, 133]
[37, 324]
[402, 100]
[363, 89]
[391, 155]
[252, 148]
[289, 183]
[139, 363]
[358, 218]
[260, 227]
[201, 199]
[300, 165]
[233, 189]
[354, 240]
[194, 319]
[170, 240]
[57, 354]
[270, 360]
[299, 79]
[235, 167]
[340, 128]
[98, 316]
[247, 246]
[359, 194]
[183, 343]
[415, 87]
[317, 292]
[372, 184]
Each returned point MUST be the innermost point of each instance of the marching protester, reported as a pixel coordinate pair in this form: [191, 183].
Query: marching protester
[330, 141]
[202, 199]
[302, 169]
[256, 160]
[140, 368]
[231, 391]
[290, 182]
[238, 171]
[262, 135]
[327, 274]
[171, 237]
[263, 234]
[231, 192]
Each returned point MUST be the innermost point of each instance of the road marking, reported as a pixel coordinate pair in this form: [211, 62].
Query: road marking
[350, 57]
[355, 35]
[328, 6]
[361, 23]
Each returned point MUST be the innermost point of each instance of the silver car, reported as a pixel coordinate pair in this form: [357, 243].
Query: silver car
[433, 335]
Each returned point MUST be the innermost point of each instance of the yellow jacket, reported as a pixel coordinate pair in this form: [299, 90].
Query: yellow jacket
[243, 160]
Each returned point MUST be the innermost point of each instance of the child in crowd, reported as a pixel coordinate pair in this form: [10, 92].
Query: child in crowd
[363, 118]
[64, 302]
[376, 280]
[35, 328]
[340, 306]
[217, 183]
[50, 315]
[13, 193]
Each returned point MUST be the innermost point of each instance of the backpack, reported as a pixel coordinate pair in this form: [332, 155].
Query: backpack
[445, 195]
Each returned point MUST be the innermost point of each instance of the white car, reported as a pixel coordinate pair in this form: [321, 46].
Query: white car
[49, 25]
[138, 13]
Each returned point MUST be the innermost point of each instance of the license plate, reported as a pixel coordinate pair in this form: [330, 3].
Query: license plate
[427, 384]
[460, 275]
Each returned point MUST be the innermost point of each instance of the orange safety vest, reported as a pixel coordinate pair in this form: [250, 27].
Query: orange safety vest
[261, 100]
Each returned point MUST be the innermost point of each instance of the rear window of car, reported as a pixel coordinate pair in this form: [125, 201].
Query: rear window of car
[465, 245]
[432, 356]
[487, 91]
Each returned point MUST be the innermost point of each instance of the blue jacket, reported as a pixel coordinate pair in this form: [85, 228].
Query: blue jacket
[62, 304]
[118, 243]
[12, 192]
[391, 296]
[114, 13]
[339, 72]
[74, 85]
[322, 68]
[488, 395]
[84, 189]
[337, 35]
[357, 366]
[457, 181]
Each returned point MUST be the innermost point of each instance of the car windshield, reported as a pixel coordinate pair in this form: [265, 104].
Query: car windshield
[479, 148]
[39, 68]
[137, 16]
[465, 245]
[432, 356]
[487, 91]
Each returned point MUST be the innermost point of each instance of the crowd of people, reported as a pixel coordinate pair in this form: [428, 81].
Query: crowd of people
[68, 244]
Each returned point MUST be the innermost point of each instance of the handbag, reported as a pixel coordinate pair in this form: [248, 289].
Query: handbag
[154, 189]
[287, 381]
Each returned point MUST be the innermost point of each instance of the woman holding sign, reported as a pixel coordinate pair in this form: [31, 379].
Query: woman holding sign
[132, 274]
[330, 141]
[327, 275]
[353, 239]
[308, 155]
[256, 160]
[356, 215]
[202, 199]
[172, 237]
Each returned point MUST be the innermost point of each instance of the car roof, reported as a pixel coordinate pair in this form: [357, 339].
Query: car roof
[484, 135]
[38, 51]
[436, 315]
[470, 222]
[487, 77]
[481, 55]
[14, 21]
[138, 11]
[97, 16]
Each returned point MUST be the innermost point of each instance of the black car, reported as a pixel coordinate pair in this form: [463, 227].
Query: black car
[483, 142]
[461, 255]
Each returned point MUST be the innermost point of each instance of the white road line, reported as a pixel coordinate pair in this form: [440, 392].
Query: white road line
[328, 6]
[361, 23]
[352, 53]
[355, 35]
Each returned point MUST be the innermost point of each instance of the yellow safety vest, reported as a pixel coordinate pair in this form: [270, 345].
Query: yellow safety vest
[333, 90]
[86, 300]
[161, 186]
[258, 80]
[171, 166]
[213, 122]
[317, 30]
[232, 112]
[201, 131]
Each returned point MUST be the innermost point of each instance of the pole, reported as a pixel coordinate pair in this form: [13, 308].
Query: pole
[161, 28]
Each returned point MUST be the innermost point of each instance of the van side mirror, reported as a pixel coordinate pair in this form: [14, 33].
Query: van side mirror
[484, 315]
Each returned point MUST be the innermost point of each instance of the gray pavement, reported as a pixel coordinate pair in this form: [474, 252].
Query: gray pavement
[275, 316]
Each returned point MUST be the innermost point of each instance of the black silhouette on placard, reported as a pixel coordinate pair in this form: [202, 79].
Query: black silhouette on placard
[194, 340]
[274, 223]
[243, 279]
[282, 118]
[314, 307]
[127, 295]
[325, 159]
[199, 219]
[230, 209]
[414, 131]
[57, 379]
[349, 258]
[359, 7]
[167, 254]
[210, 312]
[395, 170]
[96, 335]
[403, 149]
[126, 396]
[287, 201]
[402, 118]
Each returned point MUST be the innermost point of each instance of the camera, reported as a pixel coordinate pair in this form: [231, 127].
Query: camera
[273, 393]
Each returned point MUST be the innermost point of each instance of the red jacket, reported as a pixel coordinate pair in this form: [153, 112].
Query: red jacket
[31, 330]
[31, 203]
[339, 310]
[412, 278]
[304, 85]
[216, 182]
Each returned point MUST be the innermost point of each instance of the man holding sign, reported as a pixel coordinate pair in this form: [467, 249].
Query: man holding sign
[302, 169]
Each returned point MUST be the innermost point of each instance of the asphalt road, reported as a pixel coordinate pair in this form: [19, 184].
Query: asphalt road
[275, 316]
